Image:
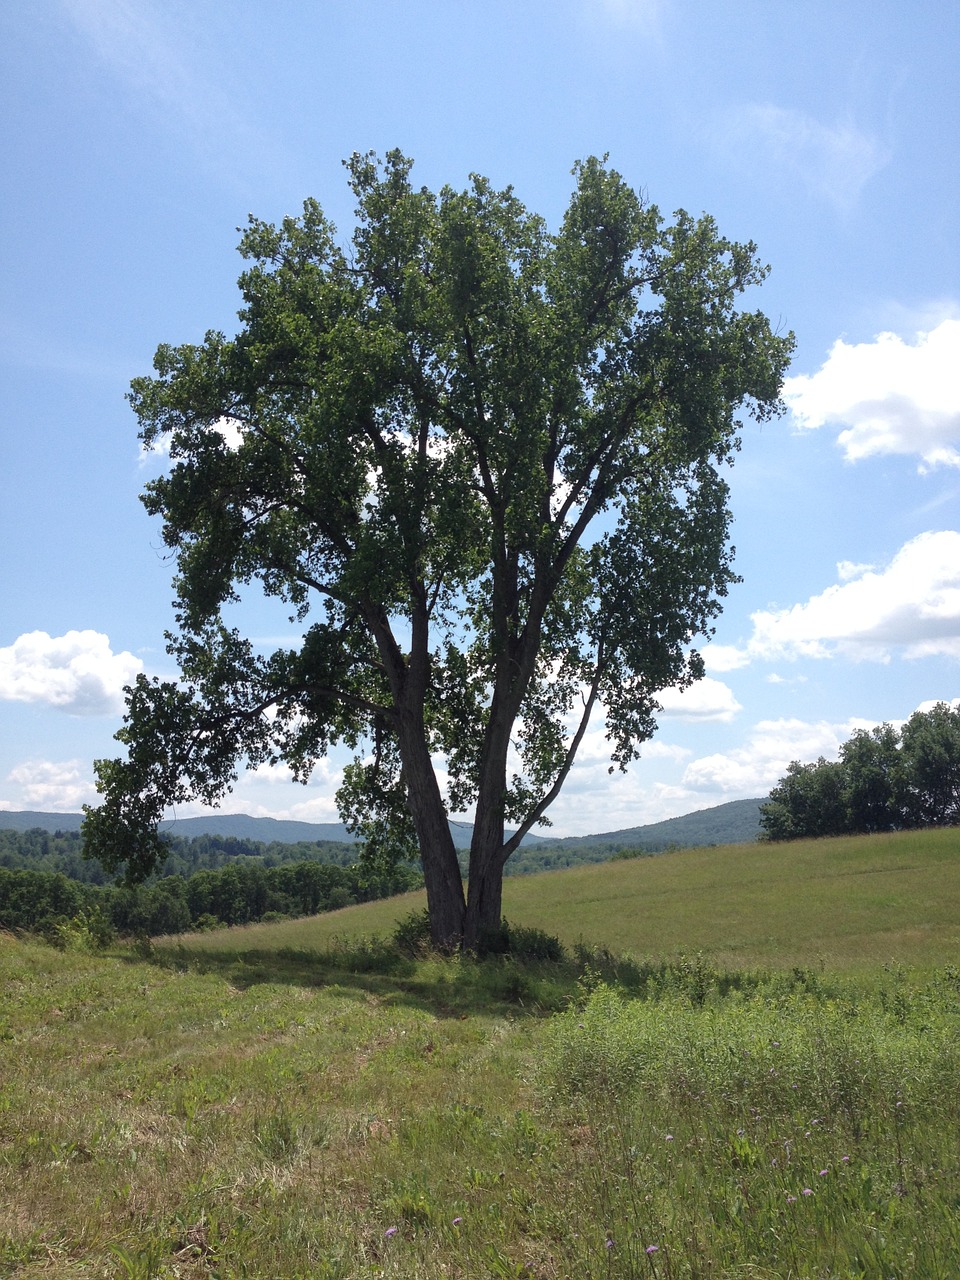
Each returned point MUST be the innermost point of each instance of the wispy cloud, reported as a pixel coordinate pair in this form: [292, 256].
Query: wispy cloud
[890, 396]
[158, 62]
[833, 161]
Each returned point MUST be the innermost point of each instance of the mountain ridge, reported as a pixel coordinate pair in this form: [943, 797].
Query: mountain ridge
[730, 823]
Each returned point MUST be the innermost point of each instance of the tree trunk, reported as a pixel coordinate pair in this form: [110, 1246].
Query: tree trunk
[441, 869]
[484, 904]
[485, 876]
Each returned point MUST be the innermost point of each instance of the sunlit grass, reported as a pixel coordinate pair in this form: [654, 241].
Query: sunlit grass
[299, 1100]
[849, 903]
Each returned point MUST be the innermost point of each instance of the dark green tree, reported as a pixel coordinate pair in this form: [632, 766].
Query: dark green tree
[885, 780]
[808, 801]
[485, 461]
[930, 747]
[873, 783]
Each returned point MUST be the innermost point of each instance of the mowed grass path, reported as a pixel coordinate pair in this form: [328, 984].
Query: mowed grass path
[849, 903]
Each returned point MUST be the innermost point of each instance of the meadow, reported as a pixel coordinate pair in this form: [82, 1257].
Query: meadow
[746, 1063]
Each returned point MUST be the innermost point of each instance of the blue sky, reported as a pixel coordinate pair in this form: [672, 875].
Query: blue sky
[138, 134]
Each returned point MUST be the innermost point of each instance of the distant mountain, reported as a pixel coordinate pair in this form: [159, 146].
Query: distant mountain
[26, 820]
[730, 823]
[736, 822]
[265, 830]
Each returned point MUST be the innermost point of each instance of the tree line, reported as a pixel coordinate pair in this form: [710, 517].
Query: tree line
[241, 892]
[64, 851]
[886, 779]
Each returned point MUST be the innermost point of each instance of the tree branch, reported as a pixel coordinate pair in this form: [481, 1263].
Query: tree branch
[548, 798]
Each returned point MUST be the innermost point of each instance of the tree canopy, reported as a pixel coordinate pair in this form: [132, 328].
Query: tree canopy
[483, 465]
[885, 780]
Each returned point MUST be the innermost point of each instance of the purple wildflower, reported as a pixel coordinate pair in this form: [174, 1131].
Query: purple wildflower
[457, 1221]
[791, 1199]
[807, 1191]
[653, 1248]
[824, 1172]
[390, 1231]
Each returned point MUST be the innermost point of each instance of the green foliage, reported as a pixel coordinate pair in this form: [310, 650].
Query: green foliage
[930, 746]
[482, 463]
[240, 892]
[412, 933]
[884, 781]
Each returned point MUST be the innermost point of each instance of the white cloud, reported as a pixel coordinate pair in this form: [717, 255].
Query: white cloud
[933, 702]
[835, 161]
[912, 607]
[53, 786]
[229, 429]
[723, 657]
[77, 672]
[708, 699]
[595, 802]
[847, 570]
[752, 769]
[889, 395]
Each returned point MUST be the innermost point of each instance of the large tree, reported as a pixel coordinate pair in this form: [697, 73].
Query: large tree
[482, 464]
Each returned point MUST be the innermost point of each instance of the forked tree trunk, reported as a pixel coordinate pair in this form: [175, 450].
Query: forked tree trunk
[485, 875]
[484, 904]
[441, 869]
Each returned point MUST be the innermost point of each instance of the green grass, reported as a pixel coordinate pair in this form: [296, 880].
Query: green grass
[298, 1100]
[849, 903]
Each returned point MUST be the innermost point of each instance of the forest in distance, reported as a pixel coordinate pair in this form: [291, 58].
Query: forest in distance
[216, 879]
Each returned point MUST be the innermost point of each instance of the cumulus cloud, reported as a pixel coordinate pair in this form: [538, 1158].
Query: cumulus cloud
[890, 396]
[77, 672]
[708, 699]
[756, 766]
[53, 786]
[834, 161]
[597, 802]
[229, 429]
[911, 607]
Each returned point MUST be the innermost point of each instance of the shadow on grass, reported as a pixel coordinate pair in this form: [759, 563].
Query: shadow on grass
[446, 986]
[508, 985]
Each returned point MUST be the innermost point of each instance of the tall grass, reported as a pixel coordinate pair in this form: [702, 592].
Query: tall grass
[792, 1131]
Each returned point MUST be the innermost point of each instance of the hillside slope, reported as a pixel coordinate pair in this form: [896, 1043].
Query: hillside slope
[846, 903]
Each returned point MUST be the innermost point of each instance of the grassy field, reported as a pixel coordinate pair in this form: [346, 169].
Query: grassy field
[768, 1085]
[850, 903]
